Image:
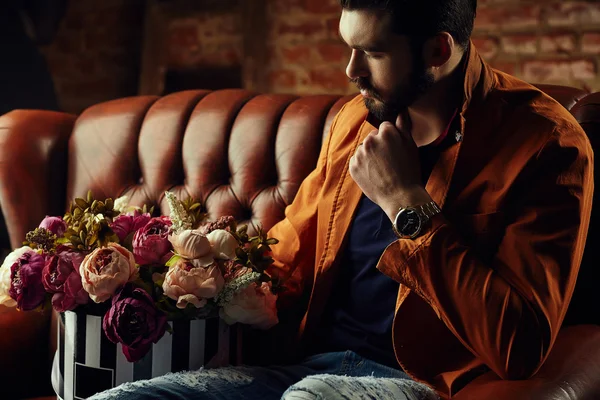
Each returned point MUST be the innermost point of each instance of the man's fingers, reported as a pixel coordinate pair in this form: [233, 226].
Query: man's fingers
[390, 129]
[403, 122]
[385, 125]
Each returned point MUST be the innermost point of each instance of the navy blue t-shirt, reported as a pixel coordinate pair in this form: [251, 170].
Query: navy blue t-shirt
[360, 310]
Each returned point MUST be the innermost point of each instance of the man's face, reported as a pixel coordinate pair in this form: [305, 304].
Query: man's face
[389, 74]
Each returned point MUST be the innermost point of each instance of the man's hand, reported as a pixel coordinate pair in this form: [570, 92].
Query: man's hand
[386, 167]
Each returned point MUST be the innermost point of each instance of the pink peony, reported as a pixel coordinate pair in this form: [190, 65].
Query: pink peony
[26, 286]
[255, 306]
[105, 270]
[61, 277]
[55, 225]
[126, 225]
[192, 284]
[134, 321]
[151, 243]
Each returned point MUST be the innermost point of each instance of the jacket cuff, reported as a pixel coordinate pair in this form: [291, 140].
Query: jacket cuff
[402, 256]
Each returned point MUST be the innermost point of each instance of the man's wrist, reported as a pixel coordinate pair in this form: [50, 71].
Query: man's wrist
[407, 198]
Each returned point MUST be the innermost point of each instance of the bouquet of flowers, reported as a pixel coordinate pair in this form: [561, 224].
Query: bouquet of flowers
[137, 271]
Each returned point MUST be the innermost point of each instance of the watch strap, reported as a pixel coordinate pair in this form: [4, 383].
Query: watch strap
[428, 210]
[425, 211]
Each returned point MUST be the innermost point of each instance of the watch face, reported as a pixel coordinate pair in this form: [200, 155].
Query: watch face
[408, 223]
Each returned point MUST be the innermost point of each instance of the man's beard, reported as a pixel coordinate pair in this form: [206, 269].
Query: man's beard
[403, 95]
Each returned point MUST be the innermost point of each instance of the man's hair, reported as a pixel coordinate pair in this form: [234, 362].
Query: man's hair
[422, 19]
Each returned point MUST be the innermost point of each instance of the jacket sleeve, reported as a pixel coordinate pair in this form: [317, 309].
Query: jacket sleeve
[294, 255]
[508, 311]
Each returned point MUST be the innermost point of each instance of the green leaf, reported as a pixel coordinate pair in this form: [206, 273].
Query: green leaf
[81, 203]
[173, 260]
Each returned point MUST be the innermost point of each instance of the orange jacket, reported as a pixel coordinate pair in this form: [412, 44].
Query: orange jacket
[488, 284]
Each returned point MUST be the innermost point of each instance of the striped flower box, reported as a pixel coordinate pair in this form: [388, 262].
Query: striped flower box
[86, 362]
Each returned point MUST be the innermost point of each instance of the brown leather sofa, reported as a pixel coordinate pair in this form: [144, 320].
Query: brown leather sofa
[243, 155]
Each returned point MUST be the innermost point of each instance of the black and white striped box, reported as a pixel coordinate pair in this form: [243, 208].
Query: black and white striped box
[86, 362]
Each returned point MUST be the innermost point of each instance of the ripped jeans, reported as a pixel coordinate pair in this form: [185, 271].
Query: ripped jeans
[341, 375]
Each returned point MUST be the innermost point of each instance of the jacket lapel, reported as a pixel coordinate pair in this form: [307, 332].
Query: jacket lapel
[344, 203]
[439, 181]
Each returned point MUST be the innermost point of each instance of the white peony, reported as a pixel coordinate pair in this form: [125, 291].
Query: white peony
[223, 244]
[121, 204]
[10, 259]
[193, 245]
[204, 249]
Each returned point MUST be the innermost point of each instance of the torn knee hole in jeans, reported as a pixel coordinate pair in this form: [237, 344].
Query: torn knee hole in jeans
[201, 378]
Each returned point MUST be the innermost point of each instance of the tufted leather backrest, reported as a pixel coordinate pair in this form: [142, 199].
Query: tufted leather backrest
[240, 154]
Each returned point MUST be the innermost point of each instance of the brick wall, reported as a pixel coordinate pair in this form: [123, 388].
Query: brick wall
[205, 39]
[96, 55]
[541, 41]
[305, 52]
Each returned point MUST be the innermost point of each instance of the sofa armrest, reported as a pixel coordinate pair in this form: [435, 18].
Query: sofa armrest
[24, 361]
[33, 168]
[572, 371]
[33, 173]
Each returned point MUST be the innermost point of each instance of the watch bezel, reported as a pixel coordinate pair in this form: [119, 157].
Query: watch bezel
[401, 213]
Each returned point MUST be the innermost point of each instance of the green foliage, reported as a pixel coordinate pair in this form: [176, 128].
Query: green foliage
[41, 238]
[88, 223]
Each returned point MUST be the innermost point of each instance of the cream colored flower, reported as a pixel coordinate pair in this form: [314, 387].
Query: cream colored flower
[105, 270]
[256, 306]
[121, 204]
[223, 244]
[5, 282]
[188, 283]
[204, 249]
[193, 245]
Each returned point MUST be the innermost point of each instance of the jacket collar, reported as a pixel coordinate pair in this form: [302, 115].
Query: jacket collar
[478, 82]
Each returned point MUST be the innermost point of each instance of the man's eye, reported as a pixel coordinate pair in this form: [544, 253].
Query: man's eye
[373, 55]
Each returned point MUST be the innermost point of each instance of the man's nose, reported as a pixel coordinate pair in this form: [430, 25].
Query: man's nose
[356, 68]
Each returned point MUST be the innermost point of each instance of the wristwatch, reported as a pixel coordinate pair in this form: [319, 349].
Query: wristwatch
[410, 221]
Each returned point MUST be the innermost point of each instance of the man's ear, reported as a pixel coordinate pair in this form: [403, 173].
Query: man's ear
[438, 49]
